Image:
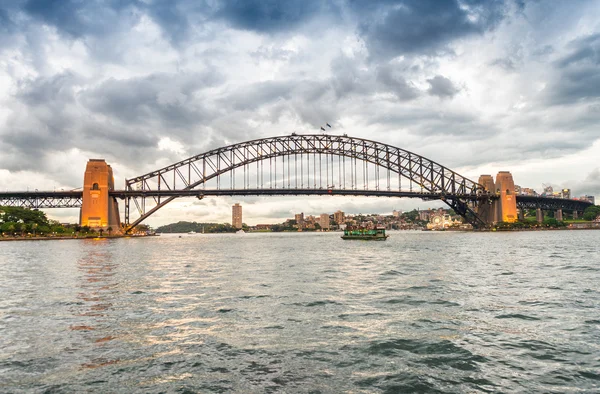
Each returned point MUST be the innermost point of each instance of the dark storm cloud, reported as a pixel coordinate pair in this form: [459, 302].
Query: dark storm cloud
[77, 18]
[83, 18]
[578, 73]
[442, 87]
[119, 120]
[6, 23]
[268, 16]
[166, 98]
[392, 28]
[47, 102]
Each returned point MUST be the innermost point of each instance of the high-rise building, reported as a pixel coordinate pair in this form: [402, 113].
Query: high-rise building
[566, 193]
[338, 217]
[324, 221]
[236, 216]
[396, 213]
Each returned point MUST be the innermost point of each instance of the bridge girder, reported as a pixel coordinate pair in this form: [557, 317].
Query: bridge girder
[38, 200]
[551, 204]
[421, 174]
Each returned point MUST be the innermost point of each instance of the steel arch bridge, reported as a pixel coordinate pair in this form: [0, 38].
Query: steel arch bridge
[314, 164]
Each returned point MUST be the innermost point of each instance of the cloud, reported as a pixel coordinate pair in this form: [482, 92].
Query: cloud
[268, 16]
[442, 87]
[578, 73]
[396, 84]
[591, 185]
[167, 99]
[76, 18]
[395, 28]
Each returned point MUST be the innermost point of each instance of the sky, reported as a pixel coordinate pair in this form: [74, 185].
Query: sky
[479, 86]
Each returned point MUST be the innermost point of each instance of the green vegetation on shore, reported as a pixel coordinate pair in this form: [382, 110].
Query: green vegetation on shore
[591, 213]
[25, 222]
[17, 221]
[530, 224]
[186, 227]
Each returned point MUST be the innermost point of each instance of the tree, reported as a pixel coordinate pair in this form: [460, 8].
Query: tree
[591, 213]
[552, 222]
[109, 229]
[101, 231]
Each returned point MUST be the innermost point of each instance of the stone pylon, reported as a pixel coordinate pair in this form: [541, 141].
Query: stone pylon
[98, 209]
[506, 205]
[539, 215]
[487, 211]
[558, 215]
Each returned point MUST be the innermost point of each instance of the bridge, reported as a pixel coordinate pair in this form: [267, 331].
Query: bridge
[316, 164]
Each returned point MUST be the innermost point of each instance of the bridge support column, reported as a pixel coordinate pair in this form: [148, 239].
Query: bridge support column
[521, 215]
[507, 204]
[98, 209]
[575, 215]
[487, 211]
[539, 215]
[558, 215]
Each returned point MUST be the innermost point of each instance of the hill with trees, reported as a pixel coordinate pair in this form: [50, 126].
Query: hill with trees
[186, 227]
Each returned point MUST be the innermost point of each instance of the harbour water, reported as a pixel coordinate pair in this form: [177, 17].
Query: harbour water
[303, 313]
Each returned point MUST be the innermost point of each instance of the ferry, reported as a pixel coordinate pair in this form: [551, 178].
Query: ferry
[365, 234]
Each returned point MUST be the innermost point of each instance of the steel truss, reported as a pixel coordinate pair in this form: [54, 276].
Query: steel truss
[310, 159]
[37, 200]
[551, 204]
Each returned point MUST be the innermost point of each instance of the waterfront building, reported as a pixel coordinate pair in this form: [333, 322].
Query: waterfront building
[236, 216]
[424, 215]
[339, 217]
[591, 199]
[526, 191]
[299, 220]
[324, 221]
[566, 193]
[396, 214]
[440, 221]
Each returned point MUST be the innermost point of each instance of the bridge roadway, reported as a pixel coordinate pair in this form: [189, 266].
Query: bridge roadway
[73, 198]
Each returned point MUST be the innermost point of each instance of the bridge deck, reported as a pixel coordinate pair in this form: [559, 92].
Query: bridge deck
[72, 198]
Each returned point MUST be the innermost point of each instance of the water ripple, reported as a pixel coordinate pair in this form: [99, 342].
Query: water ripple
[302, 313]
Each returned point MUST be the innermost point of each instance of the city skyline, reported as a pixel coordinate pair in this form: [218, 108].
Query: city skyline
[478, 87]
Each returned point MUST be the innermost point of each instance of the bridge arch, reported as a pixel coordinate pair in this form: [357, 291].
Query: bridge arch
[426, 178]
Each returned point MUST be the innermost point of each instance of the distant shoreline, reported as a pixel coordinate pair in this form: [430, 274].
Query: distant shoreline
[98, 238]
[11, 239]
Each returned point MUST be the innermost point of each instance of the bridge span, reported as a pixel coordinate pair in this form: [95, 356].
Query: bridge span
[315, 164]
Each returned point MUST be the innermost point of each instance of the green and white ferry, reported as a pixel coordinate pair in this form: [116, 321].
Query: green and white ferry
[364, 234]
